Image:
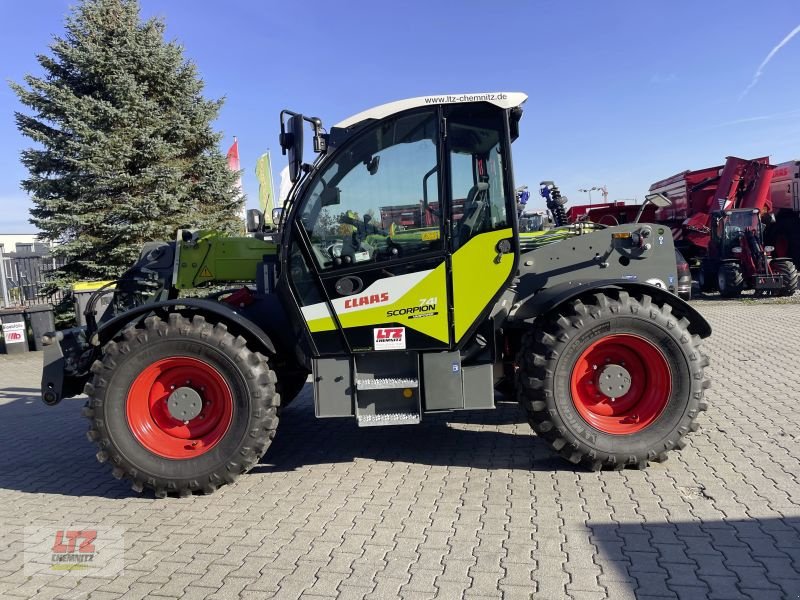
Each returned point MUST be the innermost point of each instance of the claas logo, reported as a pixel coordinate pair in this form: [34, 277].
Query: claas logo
[366, 300]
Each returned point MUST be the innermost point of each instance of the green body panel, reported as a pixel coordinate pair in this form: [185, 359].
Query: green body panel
[478, 274]
[211, 256]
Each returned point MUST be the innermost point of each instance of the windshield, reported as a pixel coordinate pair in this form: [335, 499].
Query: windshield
[379, 198]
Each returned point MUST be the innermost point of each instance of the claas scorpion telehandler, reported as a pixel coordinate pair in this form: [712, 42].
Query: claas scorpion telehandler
[185, 393]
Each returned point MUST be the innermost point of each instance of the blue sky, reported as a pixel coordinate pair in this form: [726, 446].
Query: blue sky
[621, 93]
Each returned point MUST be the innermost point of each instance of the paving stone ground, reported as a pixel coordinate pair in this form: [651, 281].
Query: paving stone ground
[466, 505]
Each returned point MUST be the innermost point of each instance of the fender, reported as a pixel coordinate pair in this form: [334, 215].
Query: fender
[241, 324]
[529, 309]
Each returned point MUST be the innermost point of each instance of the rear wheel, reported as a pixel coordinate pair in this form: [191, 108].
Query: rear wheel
[612, 381]
[788, 272]
[729, 280]
[181, 406]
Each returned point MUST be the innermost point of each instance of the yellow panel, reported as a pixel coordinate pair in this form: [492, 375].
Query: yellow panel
[478, 276]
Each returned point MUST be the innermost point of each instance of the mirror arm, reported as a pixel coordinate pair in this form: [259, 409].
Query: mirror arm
[641, 211]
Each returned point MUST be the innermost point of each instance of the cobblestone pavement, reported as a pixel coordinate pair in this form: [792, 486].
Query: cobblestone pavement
[465, 505]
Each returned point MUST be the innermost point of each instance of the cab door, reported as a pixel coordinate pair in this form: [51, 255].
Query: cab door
[482, 217]
[372, 232]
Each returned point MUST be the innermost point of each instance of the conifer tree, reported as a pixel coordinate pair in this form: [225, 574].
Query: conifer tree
[124, 151]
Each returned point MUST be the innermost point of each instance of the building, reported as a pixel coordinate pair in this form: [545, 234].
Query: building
[21, 242]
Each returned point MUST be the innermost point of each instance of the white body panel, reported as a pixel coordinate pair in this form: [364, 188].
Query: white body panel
[501, 99]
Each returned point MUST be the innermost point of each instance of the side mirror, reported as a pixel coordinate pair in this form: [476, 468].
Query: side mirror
[291, 141]
[658, 200]
[277, 215]
[255, 220]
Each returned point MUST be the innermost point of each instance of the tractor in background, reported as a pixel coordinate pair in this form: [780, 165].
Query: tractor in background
[718, 218]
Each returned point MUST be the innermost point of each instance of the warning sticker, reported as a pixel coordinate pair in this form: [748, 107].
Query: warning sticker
[390, 338]
[14, 333]
[205, 272]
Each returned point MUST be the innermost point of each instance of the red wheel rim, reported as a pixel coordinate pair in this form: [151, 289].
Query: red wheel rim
[157, 430]
[645, 399]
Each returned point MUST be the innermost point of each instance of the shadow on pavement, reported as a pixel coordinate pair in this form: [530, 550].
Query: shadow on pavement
[755, 558]
[441, 439]
[45, 451]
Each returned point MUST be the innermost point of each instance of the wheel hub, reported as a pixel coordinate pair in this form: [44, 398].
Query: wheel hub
[614, 381]
[179, 407]
[621, 383]
[184, 404]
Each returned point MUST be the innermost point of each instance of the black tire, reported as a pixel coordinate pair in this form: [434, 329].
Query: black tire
[707, 278]
[730, 280]
[551, 351]
[253, 402]
[788, 272]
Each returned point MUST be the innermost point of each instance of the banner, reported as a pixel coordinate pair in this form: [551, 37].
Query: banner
[266, 196]
[234, 165]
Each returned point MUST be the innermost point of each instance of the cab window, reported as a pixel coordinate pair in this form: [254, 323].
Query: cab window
[475, 139]
[378, 200]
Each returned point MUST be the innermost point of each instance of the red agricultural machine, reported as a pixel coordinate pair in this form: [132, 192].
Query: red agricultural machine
[610, 213]
[784, 233]
[718, 218]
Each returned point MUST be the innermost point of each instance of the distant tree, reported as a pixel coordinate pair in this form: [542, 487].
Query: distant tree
[125, 151]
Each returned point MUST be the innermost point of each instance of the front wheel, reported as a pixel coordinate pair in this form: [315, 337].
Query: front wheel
[612, 380]
[729, 280]
[181, 406]
[788, 272]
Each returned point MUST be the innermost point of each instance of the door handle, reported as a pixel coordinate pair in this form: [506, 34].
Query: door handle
[504, 246]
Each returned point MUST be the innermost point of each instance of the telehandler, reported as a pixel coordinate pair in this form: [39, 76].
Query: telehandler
[185, 393]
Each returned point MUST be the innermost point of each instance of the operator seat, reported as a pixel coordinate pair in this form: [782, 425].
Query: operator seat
[474, 207]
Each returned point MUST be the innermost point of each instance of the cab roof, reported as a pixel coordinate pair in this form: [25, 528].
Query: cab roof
[501, 99]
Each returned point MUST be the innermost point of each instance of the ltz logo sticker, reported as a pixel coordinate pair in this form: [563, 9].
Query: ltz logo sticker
[390, 338]
[95, 551]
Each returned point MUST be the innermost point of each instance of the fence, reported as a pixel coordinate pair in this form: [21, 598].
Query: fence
[23, 276]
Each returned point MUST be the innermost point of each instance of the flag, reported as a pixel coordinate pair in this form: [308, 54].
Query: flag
[266, 196]
[233, 156]
[234, 165]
